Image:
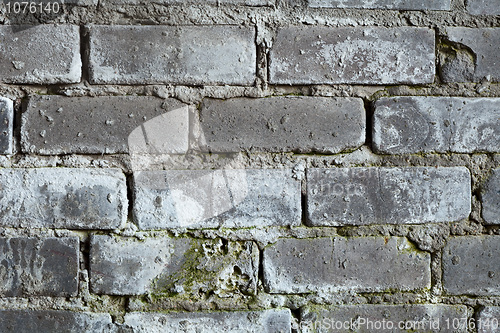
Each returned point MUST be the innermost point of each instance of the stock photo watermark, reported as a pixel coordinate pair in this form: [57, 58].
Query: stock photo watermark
[373, 325]
[22, 15]
[32, 7]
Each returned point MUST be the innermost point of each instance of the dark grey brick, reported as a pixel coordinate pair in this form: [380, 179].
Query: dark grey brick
[166, 266]
[475, 57]
[369, 264]
[42, 54]
[281, 124]
[6, 125]
[266, 321]
[235, 198]
[47, 321]
[63, 198]
[384, 318]
[436, 124]
[375, 55]
[483, 7]
[96, 125]
[183, 2]
[488, 319]
[408, 195]
[172, 54]
[470, 266]
[39, 267]
[490, 198]
[384, 4]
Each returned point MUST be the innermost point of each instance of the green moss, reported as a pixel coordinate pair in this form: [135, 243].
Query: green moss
[198, 271]
[114, 305]
[186, 276]
[409, 248]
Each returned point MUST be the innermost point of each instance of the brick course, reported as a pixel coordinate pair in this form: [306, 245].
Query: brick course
[476, 57]
[491, 198]
[384, 4]
[368, 264]
[312, 55]
[124, 266]
[184, 55]
[282, 124]
[47, 321]
[406, 125]
[249, 321]
[63, 198]
[388, 318]
[470, 266]
[43, 54]
[39, 267]
[236, 198]
[361, 196]
[90, 125]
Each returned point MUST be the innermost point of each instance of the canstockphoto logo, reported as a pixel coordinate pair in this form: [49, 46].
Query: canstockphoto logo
[21, 15]
[186, 198]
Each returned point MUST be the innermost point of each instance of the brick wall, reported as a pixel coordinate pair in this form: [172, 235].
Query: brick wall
[250, 166]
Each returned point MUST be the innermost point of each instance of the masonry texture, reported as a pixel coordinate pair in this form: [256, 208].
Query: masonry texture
[290, 166]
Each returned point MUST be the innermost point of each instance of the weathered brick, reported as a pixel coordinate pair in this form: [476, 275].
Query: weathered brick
[42, 54]
[266, 321]
[6, 125]
[235, 198]
[384, 318]
[483, 7]
[490, 198]
[47, 321]
[384, 4]
[63, 198]
[470, 266]
[408, 195]
[488, 319]
[436, 124]
[369, 264]
[39, 267]
[475, 55]
[183, 2]
[168, 54]
[126, 266]
[98, 125]
[376, 55]
[300, 124]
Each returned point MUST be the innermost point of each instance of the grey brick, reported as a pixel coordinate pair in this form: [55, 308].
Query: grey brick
[490, 197]
[476, 55]
[470, 266]
[168, 54]
[201, 2]
[266, 321]
[39, 267]
[483, 7]
[375, 55]
[301, 124]
[6, 125]
[436, 124]
[488, 319]
[42, 54]
[408, 195]
[368, 264]
[166, 266]
[98, 125]
[63, 198]
[47, 321]
[384, 4]
[384, 318]
[236, 198]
